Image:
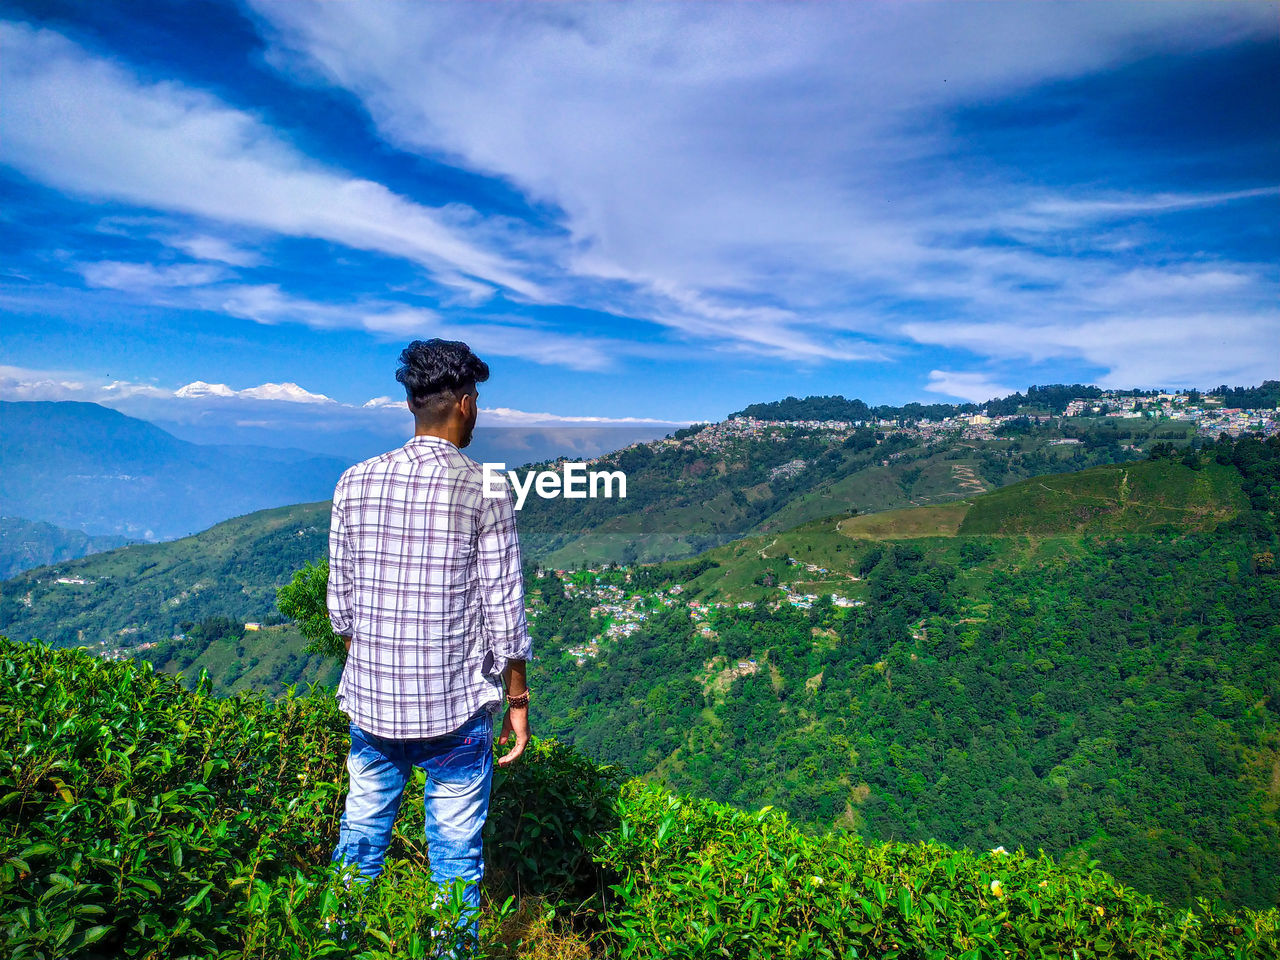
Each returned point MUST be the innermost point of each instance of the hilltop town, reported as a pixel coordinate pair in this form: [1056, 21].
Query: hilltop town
[1209, 416]
[1210, 419]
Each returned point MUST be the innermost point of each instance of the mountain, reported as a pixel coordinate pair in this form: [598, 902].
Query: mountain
[87, 467]
[711, 484]
[143, 593]
[25, 544]
[697, 489]
[1084, 664]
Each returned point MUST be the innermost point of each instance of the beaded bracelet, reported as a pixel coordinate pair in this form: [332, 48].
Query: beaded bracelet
[519, 702]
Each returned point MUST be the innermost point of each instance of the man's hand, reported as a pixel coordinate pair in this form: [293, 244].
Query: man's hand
[515, 724]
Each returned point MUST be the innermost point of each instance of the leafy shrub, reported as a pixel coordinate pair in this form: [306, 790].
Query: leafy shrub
[304, 599]
[705, 880]
[138, 819]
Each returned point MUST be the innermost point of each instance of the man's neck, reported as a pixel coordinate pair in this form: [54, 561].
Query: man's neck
[450, 432]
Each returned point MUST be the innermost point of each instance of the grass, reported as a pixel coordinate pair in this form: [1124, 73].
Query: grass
[941, 520]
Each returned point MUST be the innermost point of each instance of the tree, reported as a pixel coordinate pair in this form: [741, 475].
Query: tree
[303, 600]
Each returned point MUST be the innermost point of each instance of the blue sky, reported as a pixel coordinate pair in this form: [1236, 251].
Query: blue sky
[634, 212]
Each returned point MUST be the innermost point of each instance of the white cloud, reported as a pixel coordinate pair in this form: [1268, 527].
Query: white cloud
[1172, 351]
[84, 125]
[268, 304]
[205, 247]
[288, 392]
[972, 386]
[147, 277]
[1054, 212]
[508, 417]
[742, 173]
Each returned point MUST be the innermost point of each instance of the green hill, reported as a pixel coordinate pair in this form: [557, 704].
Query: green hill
[142, 593]
[710, 486]
[1128, 498]
[1102, 682]
[142, 820]
[684, 495]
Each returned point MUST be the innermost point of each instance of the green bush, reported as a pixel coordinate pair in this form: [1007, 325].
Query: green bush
[701, 879]
[303, 599]
[138, 819]
[142, 820]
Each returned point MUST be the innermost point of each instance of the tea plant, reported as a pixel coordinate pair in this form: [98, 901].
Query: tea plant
[138, 819]
[142, 820]
[705, 880]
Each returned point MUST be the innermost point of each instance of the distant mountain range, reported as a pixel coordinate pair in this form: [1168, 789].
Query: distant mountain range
[25, 544]
[90, 469]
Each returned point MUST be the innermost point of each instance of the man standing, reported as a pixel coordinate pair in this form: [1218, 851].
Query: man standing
[426, 588]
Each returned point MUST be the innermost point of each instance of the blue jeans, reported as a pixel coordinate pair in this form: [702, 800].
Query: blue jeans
[459, 768]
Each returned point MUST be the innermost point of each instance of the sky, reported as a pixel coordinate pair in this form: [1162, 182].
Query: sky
[230, 218]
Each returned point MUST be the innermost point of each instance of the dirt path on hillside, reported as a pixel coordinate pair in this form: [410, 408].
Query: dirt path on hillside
[966, 478]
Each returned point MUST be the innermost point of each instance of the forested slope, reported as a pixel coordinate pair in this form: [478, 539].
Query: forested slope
[1108, 687]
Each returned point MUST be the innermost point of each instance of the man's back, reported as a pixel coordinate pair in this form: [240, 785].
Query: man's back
[425, 577]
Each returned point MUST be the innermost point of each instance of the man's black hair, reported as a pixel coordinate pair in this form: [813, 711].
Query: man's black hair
[435, 372]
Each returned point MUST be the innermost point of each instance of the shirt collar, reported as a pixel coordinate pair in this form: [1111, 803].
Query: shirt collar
[427, 446]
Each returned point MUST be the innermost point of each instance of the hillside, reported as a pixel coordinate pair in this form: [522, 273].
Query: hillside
[1133, 498]
[1101, 683]
[142, 593]
[25, 544]
[1111, 666]
[143, 820]
[87, 467]
[694, 491]
[705, 487]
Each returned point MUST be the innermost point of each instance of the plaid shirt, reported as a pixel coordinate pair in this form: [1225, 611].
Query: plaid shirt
[425, 577]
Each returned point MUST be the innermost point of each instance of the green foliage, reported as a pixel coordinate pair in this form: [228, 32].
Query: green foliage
[142, 593]
[302, 600]
[705, 880]
[138, 819]
[549, 808]
[1266, 396]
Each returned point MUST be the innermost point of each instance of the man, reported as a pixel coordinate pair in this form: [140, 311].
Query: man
[425, 587]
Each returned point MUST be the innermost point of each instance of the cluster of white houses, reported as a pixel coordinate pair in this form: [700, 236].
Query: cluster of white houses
[624, 610]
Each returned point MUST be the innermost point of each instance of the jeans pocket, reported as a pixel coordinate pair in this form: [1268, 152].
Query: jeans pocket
[461, 756]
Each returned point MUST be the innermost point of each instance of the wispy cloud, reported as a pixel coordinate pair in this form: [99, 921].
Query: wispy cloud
[807, 189]
[204, 247]
[507, 417]
[972, 386]
[147, 277]
[83, 124]
[742, 175]
[1156, 351]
